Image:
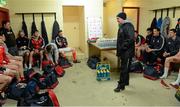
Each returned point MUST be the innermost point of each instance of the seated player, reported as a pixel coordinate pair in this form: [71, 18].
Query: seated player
[139, 43]
[62, 45]
[172, 59]
[154, 50]
[143, 47]
[36, 48]
[52, 52]
[22, 43]
[172, 44]
[11, 63]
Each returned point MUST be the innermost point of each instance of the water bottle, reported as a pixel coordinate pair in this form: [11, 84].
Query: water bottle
[108, 74]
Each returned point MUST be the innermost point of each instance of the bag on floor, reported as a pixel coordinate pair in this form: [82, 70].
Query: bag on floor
[136, 67]
[37, 100]
[92, 62]
[49, 81]
[153, 72]
[45, 63]
[30, 74]
[177, 95]
[64, 62]
[16, 91]
[45, 99]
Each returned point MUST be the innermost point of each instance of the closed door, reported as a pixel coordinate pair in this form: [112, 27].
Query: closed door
[71, 32]
[133, 15]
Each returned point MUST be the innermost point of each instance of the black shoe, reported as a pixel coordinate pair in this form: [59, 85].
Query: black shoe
[127, 84]
[119, 88]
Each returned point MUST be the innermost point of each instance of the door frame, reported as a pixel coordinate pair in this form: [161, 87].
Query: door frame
[138, 15]
[6, 11]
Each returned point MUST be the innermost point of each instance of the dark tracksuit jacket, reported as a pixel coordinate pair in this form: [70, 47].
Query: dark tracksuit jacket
[22, 41]
[125, 50]
[10, 41]
[157, 43]
[172, 46]
[62, 40]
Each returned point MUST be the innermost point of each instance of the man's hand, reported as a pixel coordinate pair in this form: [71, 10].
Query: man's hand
[149, 50]
[165, 54]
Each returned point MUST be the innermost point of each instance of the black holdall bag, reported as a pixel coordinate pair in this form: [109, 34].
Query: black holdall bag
[17, 90]
[36, 100]
[48, 98]
[48, 81]
[153, 72]
[64, 62]
[136, 67]
[92, 62]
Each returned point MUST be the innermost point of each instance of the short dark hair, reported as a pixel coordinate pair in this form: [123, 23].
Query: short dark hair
[48, 48]
[60, 31]
[36, 31]
[149, 29]
[174, 30]
[5, 22]
[156, 29]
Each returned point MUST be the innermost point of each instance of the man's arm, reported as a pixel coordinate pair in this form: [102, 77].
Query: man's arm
[58, 42]
[129, 32]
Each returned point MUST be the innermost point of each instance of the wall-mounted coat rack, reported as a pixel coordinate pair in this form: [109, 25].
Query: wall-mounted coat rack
[168, 9]
[36, 13]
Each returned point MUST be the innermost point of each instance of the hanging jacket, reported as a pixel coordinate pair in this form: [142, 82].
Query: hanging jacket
[159, 22]
[10, 37]
[44, 32]
[165, 27]
[125, 41]
[33, 28]
[154, 23]
[55, 31]
[178, 28]
[172, 46]
[24, 28]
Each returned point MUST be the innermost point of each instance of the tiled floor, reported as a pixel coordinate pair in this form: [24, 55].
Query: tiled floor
[79, 88]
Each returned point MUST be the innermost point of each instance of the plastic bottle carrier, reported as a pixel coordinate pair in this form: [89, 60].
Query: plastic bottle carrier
[103, 71]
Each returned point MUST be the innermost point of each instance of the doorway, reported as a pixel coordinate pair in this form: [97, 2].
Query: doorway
[4, 15]
[73, 23]
[133, 14]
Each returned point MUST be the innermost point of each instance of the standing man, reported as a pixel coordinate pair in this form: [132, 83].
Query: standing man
[10, 38]
[125, 49]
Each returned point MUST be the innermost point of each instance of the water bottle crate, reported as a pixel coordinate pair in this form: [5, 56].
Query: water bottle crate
[103, 71]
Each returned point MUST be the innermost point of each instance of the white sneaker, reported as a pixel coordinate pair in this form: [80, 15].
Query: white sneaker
[174, 83]
[163, 77]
